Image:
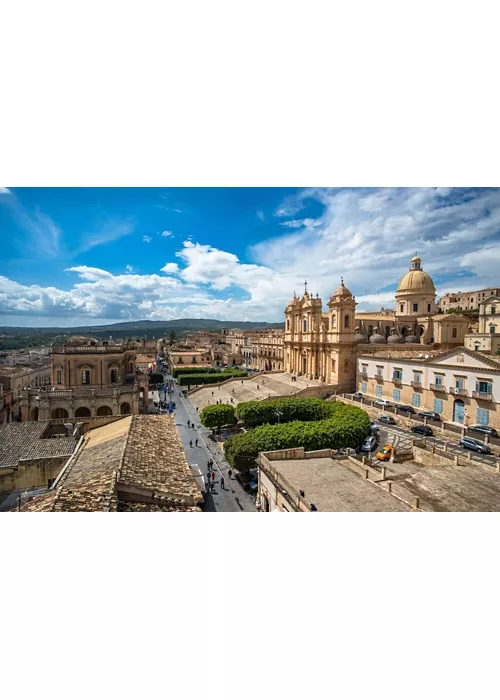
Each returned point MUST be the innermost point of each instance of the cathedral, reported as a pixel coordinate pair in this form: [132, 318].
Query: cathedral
[324, 345]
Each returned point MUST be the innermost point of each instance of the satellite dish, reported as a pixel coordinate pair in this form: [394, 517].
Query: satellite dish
[427, 357]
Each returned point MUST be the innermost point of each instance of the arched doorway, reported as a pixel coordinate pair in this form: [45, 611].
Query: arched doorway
[404, 331]
[125, 409]
[458, 411]
[34, 413]
[59, 413]
[82, 412]
[104, 411]
[421, 331]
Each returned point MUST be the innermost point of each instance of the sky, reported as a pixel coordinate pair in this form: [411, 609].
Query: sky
[77, 256]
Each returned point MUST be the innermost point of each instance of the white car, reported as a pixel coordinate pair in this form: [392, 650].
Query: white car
[382, 402]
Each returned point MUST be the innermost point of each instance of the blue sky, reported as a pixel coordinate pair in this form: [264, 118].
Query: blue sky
[94, 255]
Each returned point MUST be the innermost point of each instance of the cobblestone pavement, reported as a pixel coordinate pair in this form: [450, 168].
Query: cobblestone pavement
[230, 499]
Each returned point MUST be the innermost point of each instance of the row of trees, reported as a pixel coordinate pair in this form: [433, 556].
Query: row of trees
[207, 378]
[253, 413]
[197, 370]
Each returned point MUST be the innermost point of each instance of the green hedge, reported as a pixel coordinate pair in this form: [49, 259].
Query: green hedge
[195, 379]
[156, 378]
[347, 427]
[253, 413]
[217, 416]
[192, 369]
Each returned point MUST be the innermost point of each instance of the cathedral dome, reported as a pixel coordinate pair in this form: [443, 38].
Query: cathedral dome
[412, 339]
[359, 337]
[395, 339]
[342, 292]
[378, 339]
[416, 280]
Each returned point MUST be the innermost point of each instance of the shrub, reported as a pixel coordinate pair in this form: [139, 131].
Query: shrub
[189, 369]
[253, 413]
[194, 379]
[347, 427]
[156, 378]
[217, 416]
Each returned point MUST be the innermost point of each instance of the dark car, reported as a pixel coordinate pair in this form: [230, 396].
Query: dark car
[404, 408]
[469, 443]
[485, 429]
[430, 414]
[357, 395]
[422, 430]
[389, 420]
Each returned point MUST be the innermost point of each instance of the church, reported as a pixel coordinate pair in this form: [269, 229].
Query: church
[324, 346]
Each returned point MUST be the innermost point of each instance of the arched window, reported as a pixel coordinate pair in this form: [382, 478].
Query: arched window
[288, 324]
[454, 333]
[305, 325]
[334, 321]
[493, 309]
[114, 375]
[85, 376]
[346, 321]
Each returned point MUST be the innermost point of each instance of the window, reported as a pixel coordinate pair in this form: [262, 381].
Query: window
[379, 371]
[415, 400]
[438, 380]
[482, 416]
[493, 309]
[288, 324]
[346, 321]
[438, 405]
[428, 308]
[86, 376]
[114, 374]
[397, 374]
[454, 333]
[193, 360]
[363, 387]
[484, 387]
[415, 307]
[378, 391]
[417, 377]
[59, 376]
[334, 321]
[401, 308]
[179, 361]
[305, 326]
[397, 395]
[493, 329]
[364, 369]
[459, 383]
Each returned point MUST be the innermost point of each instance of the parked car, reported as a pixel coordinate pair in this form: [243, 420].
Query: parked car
[374, 429]
[352, 450]
[469, 443]
[357, 395]
[485, 429]
[430, 414]
[369, 444]
[406, 409]
[388, 420]
[382, 402]
[422, 430]
[385, 453]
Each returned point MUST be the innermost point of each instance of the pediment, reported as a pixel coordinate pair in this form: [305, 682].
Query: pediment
[463, 357]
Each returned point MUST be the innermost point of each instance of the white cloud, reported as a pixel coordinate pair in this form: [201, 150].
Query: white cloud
[43, 233]
[5, 190]
[129, 268]
[171, 268]
[166, 234]
[147, 239]
[110, 230]
[260, 214]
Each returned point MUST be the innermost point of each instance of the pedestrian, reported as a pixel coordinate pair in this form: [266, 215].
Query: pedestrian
[208, 468]
[192, 425]
[189, 423]
[196, 409]
[230, 473]
[196, 442]
[190, 443]
[257, 386]
[213, 477]
[242, 382]
[212, 393]
[222, 483]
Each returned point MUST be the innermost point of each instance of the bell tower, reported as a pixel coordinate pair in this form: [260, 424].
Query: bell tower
[341, 362]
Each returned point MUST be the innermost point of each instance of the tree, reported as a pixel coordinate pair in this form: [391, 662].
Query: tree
[217, 416]
[171, 337]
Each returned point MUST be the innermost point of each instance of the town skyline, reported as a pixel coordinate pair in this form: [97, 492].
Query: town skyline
[96, 256]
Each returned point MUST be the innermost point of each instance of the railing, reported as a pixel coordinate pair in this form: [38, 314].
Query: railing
[484, 395]
[363, 375]
[416, 385]
[457, 391]
[79, 349]
[379, 377]
[397, 380]
[437, 387]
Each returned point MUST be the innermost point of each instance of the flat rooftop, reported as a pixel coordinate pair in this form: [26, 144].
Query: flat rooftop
[332, 486]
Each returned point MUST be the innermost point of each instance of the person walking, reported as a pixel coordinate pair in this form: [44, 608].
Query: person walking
[189, 423]
[222, 483]
[213, 477]
[190, 443]
[196, 442]
[230, 473]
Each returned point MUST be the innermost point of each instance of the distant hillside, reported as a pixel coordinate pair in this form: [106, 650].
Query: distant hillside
[13, 338]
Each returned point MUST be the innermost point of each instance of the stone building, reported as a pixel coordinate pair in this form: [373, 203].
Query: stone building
[487, 339]
[268, 352]
[89, 379]
[16, 379]
[466, 301]
[461, 385]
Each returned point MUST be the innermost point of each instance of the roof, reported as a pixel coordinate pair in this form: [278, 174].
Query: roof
[137, 457]
[31, 440]
[332, 486]
[143, 358]
[416, 281]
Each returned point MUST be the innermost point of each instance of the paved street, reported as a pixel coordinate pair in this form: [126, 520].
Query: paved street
[232, 498]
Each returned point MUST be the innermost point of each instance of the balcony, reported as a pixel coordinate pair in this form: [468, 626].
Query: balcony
[437, 387]
[483, 395]
[397, 380]
[379, 378]
[363, 375]
[458, 392]
[416, 385]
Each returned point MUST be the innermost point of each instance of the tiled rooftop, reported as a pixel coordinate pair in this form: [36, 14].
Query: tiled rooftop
[20, 441]
[120, 463]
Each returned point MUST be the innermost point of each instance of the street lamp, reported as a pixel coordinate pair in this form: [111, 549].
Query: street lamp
[279, 414]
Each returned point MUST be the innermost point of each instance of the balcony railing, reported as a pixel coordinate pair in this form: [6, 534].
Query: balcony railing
[363, 375]
[437, 387]
[397, 380]
[457, 391]
[484, 395]
[379, 377]
[416, 385]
